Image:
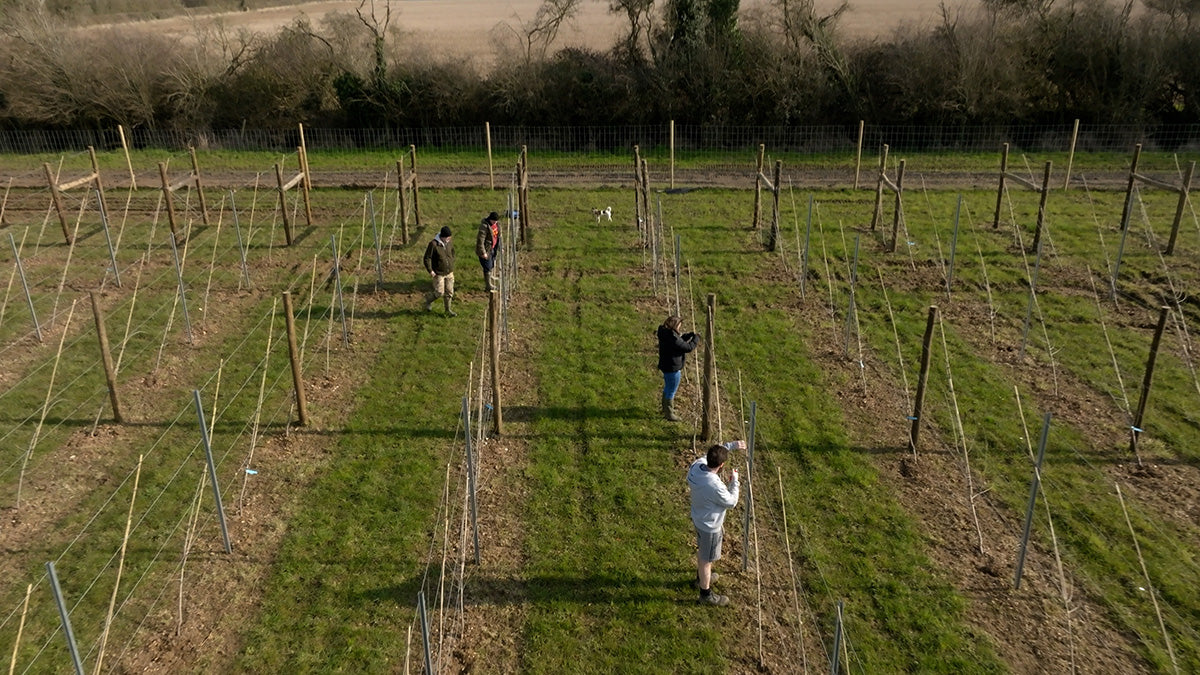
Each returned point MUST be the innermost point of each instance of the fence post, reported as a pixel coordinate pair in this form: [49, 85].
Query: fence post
[199, 187]
[1136, 429]
[1000, 190]
[58, 203]
[1184, 188]
[672, 154]
[294, 356]
[166, 189]
[758, 177]
[1071, 154]
[128, 161]
[858, 153]
[283, 211]
[110, 375]
[375, 235]
[922, 378]
[1041, 214]
[487, 132]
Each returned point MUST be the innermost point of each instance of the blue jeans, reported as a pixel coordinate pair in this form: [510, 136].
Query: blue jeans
[671, 383]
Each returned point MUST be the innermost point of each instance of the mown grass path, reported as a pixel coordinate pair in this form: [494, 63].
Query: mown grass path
[610, 552]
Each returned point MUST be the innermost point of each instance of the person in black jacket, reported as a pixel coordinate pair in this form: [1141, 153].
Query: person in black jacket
[439, 262]
[672, 350]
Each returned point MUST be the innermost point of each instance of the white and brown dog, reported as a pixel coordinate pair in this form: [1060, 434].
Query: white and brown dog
[605, 212]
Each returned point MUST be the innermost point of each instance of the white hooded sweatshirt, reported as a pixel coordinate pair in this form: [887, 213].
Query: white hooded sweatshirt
[710, 497]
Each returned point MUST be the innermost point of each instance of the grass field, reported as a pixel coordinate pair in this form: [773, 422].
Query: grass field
[586, 554]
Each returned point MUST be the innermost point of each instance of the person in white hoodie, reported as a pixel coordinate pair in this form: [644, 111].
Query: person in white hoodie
[711, 498]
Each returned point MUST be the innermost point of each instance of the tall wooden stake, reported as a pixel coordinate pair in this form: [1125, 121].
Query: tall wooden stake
[758, 178]
[775, 190]
[294, 355]
[858, 154]
[898, 212]
[1184, 189]
[58, 202]
[110, 375]
[1071, 154]
[1041, 216]
[1000, 190]
[915, 431]
[1136, 429]
[487, 132]
[283, 210]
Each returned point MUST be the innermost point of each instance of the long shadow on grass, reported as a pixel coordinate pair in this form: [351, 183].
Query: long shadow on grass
[578, 589]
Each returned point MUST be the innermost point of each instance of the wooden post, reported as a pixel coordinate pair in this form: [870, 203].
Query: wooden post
[487, 131]
[110, 375]
[166, 188]
[199, 187]
[99, 184]
[523, 195]
[858, 154]
[1041, 216]
[710, 369]
[899, 208]
[58, 204]
[883, 153]
[672, 154]
[128, 161]
[412, 171]
[494, 330]
[1128, 208]
[1071, 154]
[915, 431]
[646, 208]
[1136, 429]
[1184, 188]
[294, 356]
[401, 186]
[1000, 190]
[305, 183]
[637, 187]
[775, 206]
[287, 223]
[758, 176]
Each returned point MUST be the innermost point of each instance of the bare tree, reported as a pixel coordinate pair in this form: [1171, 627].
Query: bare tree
[377, 20]
[540, 32]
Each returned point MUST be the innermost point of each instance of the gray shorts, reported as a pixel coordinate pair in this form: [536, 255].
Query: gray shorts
[709, 545]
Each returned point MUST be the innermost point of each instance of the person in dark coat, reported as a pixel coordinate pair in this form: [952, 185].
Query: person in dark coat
[439, 262]
[672, 351]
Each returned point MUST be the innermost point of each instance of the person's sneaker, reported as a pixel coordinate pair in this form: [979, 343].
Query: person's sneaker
[451, 313]
[714, 599]
[712, 579]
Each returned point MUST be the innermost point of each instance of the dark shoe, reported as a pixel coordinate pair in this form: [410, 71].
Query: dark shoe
[429, 305]
[449, 312]
[714, 599]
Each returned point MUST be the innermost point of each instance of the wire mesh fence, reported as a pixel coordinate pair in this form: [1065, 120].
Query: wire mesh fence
[619, 138]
